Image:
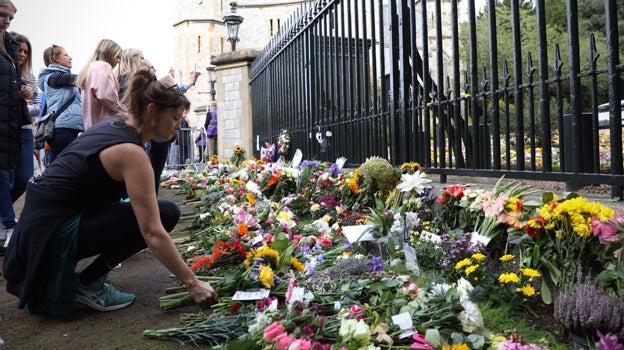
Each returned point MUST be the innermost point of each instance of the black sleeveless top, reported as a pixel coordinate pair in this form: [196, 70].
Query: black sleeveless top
[76, 181]
[77, 173]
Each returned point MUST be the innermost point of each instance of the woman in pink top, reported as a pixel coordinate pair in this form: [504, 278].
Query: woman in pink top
[99, 86]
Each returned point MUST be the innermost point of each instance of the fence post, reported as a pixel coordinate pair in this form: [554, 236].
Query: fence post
[234, 101]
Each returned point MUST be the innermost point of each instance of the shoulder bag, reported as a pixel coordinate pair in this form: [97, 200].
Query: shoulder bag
[45, 125]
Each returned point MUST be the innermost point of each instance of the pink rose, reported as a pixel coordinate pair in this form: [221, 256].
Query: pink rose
[273, 331]
[284, 341]
[357, 311]
[300, 344]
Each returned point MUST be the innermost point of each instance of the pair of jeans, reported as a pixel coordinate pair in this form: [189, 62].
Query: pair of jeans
[13, 182]
[62, 137]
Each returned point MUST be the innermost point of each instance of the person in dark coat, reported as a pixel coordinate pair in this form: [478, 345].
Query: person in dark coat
[13, 115]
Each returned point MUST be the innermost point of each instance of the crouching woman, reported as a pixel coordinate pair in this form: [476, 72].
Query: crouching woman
[75, 211]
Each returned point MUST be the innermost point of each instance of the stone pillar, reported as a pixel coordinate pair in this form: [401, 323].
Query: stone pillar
[233, 97]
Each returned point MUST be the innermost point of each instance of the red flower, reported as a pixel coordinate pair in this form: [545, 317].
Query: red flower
[236, 306]
[534, 226]
[201, 262]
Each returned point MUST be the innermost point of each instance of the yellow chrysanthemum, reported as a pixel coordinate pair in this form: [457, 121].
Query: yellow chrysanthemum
[506, 258]
[296, 264]
[460, 346]
[266, 276]
[315, 207]
[471, 269]
[508, 278]
[478, 257]
[531, 273]
[462, 263]
[353, 183]
[326, 218]
[361, 221]
[250, 198]
[527, 290]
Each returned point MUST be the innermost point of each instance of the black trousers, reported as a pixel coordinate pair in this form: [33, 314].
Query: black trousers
[112, 233]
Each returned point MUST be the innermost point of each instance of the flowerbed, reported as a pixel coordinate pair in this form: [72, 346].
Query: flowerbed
[306, 255]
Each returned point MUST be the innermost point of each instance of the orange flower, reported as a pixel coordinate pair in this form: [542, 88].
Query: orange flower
[513, 219]
[243, 229]
[273, 180]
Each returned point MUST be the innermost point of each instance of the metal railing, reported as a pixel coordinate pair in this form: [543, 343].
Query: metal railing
[184, 151]
[407, 81]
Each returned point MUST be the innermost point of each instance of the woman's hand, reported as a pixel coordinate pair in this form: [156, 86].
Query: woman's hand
[26, 92]
[203, 293]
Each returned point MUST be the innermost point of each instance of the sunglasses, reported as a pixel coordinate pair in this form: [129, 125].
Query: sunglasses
[174, 87]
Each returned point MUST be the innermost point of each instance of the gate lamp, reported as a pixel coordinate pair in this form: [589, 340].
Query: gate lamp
[232, 23]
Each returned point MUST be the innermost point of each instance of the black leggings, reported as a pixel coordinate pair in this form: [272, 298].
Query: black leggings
[113, 233]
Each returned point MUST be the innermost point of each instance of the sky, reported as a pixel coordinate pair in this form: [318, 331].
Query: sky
[78, 25]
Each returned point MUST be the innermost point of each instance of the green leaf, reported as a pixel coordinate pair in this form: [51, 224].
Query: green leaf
[546, 294]
[477, 340]
[432, 336]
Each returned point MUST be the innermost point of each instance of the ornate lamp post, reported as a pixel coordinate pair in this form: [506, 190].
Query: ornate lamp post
[232, 23]
[212, 76]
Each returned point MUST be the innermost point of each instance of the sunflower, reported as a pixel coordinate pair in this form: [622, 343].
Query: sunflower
[269, 256]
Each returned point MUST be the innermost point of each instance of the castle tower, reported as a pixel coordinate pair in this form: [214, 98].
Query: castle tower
[199, 33]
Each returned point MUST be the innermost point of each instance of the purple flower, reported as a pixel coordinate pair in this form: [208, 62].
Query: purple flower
[334, 169]
[309, 163]
[609, 341]
[376, 264]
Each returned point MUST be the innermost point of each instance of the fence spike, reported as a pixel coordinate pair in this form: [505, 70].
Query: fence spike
[558, 62]
[506, 75]
[593, 54]
[484, 80]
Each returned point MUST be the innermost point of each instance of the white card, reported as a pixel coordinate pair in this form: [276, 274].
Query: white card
[356, 233]
[410, 257]
[255, 295]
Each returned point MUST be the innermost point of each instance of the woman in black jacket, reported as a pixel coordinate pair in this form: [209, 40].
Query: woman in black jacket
[13, 114]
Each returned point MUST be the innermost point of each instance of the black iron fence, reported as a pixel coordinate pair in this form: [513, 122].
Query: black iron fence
[510, 89]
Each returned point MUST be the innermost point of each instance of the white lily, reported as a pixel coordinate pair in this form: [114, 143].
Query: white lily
[416, 182]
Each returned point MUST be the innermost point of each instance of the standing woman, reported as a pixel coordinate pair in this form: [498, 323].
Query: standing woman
[75, 211]
[26, 171]
[59, 85]
[100, 99]
[13, 115]
[131, 60]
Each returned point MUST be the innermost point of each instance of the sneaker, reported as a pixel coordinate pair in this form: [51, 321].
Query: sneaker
[102, 295]
[8, 232]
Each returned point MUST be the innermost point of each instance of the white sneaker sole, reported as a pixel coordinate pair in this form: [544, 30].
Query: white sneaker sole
[90, 303]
